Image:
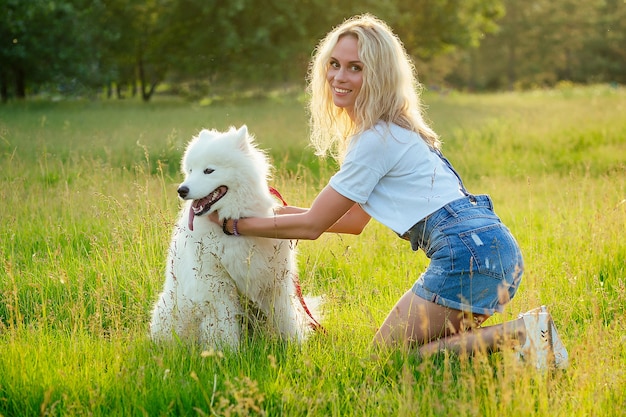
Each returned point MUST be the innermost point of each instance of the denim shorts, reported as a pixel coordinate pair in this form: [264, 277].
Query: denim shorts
[475, 263]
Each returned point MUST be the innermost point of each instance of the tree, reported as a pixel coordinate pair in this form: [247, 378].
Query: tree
[249, 40]
[202, 41]
[430, 28]
[209, 43]
[542, 42]
[113, 40]
[604, 55]
[40, 44]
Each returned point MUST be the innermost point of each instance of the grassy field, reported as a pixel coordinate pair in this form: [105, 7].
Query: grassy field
[87, 203]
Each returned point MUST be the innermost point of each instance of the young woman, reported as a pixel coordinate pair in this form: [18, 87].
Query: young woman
[366, 112]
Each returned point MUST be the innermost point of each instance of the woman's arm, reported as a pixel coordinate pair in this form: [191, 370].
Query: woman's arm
[353, 222]
[326, 213]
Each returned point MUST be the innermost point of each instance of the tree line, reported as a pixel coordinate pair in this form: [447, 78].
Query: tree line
[197, 46]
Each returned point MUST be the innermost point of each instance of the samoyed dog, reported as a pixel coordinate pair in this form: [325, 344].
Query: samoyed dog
[214, 281]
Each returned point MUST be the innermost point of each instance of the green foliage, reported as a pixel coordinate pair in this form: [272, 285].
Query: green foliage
[40, 44]
[434, 27]
[200, 48]
[88, 201]
[206, 43]
[543, 43]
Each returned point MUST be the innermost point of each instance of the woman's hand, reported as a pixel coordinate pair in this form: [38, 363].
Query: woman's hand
[215, 218]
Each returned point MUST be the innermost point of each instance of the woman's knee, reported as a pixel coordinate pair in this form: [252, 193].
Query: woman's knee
[412, 320]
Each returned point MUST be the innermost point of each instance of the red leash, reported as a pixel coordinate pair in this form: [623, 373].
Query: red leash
[275, 193]
[315, 325]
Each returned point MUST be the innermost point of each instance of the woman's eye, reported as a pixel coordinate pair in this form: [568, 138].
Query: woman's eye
[334, 64]
[208, 171]
[355, 68]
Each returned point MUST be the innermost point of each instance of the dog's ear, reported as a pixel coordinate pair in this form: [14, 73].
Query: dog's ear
[243, 131]
[243, 138]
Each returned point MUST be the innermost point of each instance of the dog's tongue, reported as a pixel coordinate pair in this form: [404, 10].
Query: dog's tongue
[192, 214]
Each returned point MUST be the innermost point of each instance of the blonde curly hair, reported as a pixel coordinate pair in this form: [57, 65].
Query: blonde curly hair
[390, 90]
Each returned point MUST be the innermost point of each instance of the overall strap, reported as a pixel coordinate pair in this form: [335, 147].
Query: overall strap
[461, 185]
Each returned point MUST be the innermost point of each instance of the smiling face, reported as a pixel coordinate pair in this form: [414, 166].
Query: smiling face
[345, 73]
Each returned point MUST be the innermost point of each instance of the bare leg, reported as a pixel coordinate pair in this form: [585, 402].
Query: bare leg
[415, 320]
[482, 339]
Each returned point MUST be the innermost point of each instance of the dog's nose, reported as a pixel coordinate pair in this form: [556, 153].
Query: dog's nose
[183, 190]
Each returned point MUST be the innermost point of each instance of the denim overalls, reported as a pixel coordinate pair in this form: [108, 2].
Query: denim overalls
[475, 263]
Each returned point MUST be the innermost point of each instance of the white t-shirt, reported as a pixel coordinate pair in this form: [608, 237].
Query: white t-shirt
[395, 177]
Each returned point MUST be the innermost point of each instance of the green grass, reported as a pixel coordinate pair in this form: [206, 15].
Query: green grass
[87, 203]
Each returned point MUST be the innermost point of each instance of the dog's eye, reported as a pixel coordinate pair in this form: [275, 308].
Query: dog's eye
[208, 171]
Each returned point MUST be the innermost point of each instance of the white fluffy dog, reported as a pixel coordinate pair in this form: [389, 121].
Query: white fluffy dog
[212, 278]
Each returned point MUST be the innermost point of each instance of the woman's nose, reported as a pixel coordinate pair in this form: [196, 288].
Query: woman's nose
[340, 75]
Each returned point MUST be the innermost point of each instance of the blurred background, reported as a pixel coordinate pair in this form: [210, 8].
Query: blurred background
[201, 48]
